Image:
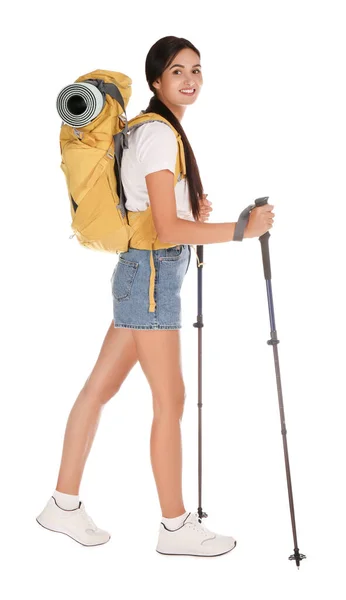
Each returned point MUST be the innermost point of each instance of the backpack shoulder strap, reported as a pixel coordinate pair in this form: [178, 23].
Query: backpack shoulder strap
[151, 117]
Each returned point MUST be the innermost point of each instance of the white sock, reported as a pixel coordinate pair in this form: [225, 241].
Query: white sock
[66, 501]
[175, 522]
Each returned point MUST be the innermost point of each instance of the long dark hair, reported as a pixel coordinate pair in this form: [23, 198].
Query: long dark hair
[159, 57]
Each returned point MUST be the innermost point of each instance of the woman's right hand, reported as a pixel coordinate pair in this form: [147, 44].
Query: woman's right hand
[261, 219]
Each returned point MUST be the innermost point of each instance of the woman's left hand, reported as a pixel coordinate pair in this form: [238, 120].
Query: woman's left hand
[205, 208]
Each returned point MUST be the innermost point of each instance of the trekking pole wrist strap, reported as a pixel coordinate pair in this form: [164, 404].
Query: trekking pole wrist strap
[244, 218]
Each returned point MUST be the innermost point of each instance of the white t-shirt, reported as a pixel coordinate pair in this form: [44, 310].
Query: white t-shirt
[152, 147]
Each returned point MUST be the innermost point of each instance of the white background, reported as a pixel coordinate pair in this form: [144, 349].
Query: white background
[270, 120]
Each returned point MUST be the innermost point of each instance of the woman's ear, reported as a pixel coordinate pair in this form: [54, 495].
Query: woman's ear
[156, 84]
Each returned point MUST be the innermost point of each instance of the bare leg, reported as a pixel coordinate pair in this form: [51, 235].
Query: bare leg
[79, 435]
[166, 460]
[159, 356]
[116, 358]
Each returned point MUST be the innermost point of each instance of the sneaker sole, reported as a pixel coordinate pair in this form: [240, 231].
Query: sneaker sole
[199, 555]
[72, 538]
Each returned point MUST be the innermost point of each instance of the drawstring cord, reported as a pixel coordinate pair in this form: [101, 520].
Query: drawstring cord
[200, 264]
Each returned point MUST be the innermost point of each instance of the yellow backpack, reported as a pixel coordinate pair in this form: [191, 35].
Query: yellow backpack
[91, 161]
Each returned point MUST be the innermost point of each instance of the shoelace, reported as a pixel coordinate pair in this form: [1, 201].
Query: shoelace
[88, 518]
[195, 521]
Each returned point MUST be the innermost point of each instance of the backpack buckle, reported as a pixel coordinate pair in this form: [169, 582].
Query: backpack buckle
[78, 134]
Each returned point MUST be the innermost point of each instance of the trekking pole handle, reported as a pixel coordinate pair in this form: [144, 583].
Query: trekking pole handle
[244, 219]
[200, 253]
[261, 201]
[264, 239]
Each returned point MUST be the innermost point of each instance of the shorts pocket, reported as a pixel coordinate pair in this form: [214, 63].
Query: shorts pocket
[172, 253]
[123, 277]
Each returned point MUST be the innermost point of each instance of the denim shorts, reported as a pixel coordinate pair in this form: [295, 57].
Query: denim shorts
[130, 287]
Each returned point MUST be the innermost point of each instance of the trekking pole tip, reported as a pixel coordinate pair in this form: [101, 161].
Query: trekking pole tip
[297, 557]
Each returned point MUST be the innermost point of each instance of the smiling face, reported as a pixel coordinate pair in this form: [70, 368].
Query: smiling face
[176, 84]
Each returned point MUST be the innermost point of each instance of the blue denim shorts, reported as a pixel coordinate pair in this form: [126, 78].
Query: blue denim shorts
[130, 287]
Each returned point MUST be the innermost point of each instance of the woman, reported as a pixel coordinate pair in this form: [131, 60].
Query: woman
[174, 75]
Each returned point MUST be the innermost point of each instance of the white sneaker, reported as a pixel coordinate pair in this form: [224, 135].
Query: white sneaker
[193, 539]
[75, 523]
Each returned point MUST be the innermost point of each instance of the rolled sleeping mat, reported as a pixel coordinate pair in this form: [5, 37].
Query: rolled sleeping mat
[79, 103]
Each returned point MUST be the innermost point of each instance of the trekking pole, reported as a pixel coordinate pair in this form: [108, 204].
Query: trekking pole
[264, 239]
[199, 324]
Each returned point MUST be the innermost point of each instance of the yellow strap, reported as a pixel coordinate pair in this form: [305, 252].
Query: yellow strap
[152, 303]
[180, 165]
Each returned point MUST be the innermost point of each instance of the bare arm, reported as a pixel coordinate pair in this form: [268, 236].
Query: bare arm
[182, 231]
